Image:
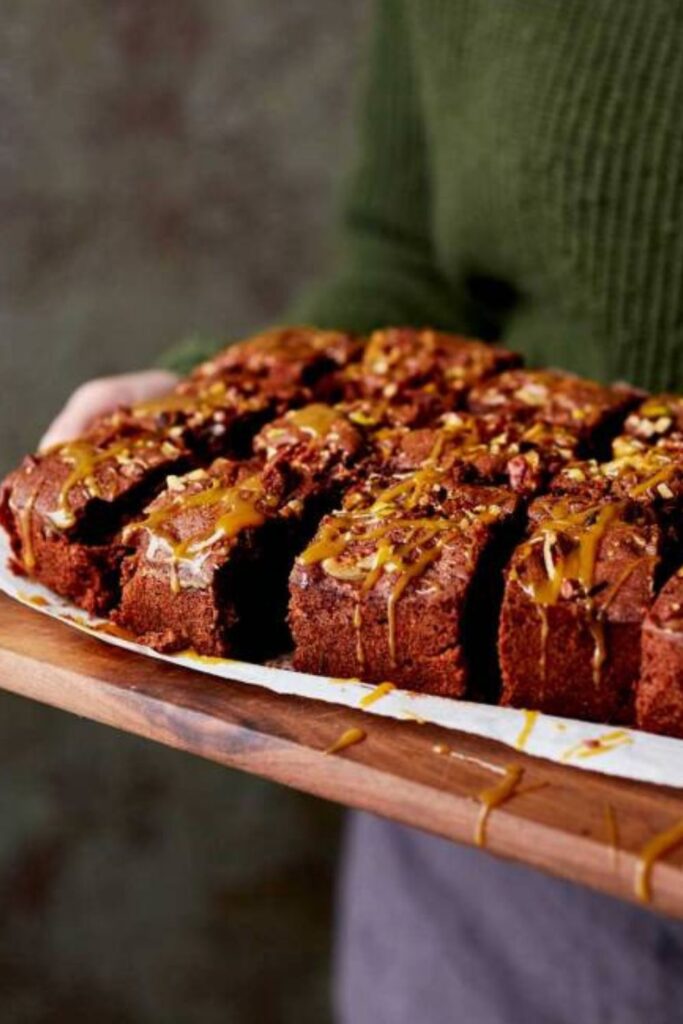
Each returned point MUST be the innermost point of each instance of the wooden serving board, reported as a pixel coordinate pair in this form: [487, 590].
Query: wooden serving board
[579, 825]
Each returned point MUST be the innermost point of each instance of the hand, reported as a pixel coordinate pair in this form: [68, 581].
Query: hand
[103, 395]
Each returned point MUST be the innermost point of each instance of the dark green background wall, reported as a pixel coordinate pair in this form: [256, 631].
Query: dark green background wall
[166, 167]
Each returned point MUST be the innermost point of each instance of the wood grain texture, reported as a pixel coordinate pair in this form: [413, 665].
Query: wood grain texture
[560, 825]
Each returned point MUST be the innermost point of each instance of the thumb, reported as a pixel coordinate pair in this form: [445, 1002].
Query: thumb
[101, 396]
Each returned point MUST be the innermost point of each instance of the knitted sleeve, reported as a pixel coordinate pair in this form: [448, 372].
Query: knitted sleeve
[386, 271]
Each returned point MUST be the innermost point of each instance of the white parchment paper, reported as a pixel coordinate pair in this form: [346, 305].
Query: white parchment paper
[627, 753]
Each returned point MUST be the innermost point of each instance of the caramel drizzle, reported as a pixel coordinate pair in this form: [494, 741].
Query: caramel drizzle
[379, 691]
[584, 530]
[652, 467]
[655, 407]
[24, 515]
[203, 659]
[655, 848]
[661, 476]
[493, 797]
[391, 512]
[317, 419]
[36, 600]
[600, 745]
[530, 719]
[203, 401]
[349, 738]
[237, 508]
[85, 460]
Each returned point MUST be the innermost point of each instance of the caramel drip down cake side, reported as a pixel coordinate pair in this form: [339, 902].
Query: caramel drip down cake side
[576, 593]
[213, 552]
[378, 578]
[575, 621]
[63, 509]
[385, 588]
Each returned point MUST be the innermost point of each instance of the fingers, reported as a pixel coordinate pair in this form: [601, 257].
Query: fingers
[101, 396]
[138, 387]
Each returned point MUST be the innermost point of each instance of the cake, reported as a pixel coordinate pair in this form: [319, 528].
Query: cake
[652, 477]
[63, 509]
[212, 554]
[219, 408]
[659, 701]
[400, 583]
[283, 358]
[419, 510]
[409, 376]
[657, 421]
[481, 449]
[591, 411]
[577, 590]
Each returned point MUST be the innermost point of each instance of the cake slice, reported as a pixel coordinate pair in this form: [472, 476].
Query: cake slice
[63, 509]
[284, 358]
[219, 408]
[657, 421]
[577, 590]
[400, 584]
[659, 701]
[409, 377]
[212, 555]
[591, 411]
[481, 449]
[651, 477]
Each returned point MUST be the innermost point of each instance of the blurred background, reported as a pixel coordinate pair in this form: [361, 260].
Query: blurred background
[166, 168]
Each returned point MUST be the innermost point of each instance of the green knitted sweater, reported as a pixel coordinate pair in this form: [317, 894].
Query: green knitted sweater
[519, 176]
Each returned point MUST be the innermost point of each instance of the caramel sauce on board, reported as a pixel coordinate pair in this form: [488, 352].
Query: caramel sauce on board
[349, 738]
[37, 600]
[659, 845]
[203, 659]
[494, 796]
